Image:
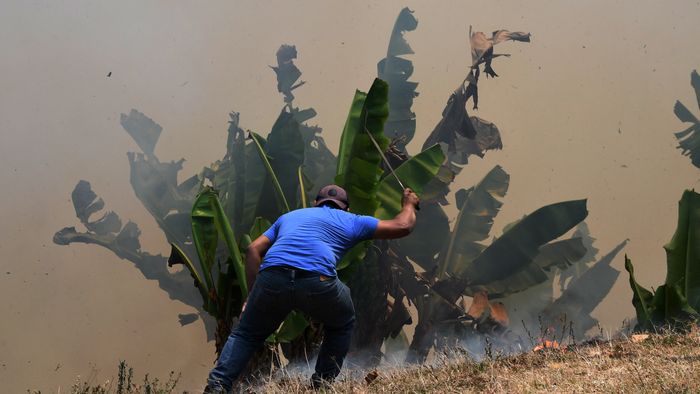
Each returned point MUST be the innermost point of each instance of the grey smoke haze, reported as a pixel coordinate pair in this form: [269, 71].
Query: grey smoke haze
[585, 110]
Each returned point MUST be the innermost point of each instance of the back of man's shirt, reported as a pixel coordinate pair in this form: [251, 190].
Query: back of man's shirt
[315, 239]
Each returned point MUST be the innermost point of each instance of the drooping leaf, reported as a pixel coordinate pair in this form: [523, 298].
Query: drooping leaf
[552, 257]
[142, 129]
[683, 251]
[683, 114]
[571, 273]
[584, 294]
[177, 256]
[516, 248]
[689, 139]
[279, 193]
[560, 254]
[415, 173]
[474, 222]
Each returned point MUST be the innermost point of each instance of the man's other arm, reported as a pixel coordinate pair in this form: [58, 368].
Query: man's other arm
[253, 257]
[402, 224]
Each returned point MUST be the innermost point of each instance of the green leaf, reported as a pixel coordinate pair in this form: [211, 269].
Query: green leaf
[474, 222]
[683, 251]
[209, 223]
[642, 299]
[519, 246]
[285, 148]
[292, 327]
[177, 256]
[415, 173]
[205, 234]
[281, 199]
[359, 163]
[350, 131]
[260, 225]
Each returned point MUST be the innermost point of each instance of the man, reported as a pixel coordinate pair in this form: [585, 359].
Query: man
[298, 255]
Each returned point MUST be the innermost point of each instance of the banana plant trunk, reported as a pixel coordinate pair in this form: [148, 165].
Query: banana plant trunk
[370, 288]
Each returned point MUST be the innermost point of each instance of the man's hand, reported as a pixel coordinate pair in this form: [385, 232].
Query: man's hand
[402, 224]
[410, 198]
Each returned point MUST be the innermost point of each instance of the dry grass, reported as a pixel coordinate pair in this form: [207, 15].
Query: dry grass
[668, 363]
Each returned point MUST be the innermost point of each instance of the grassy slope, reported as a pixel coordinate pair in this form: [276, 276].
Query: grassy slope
[668, 363]
[661, 363]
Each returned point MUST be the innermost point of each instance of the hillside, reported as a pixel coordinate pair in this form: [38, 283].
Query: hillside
[667, 362]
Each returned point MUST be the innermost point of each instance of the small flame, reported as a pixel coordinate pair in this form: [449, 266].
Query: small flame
[547, 344]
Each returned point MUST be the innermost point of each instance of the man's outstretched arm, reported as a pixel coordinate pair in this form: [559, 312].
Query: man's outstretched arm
[253, 257]
[402, 224]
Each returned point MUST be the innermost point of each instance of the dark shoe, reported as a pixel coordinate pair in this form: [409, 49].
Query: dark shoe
[320, 383]
[214, 390]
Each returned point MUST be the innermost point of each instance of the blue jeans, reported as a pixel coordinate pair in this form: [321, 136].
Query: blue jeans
[277, 291]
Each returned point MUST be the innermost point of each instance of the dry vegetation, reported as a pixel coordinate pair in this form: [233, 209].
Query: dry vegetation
[660, 363]
[666, 362]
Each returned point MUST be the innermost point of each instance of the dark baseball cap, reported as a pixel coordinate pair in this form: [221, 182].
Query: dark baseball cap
[335, 194]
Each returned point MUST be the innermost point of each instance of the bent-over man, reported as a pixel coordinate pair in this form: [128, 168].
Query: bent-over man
[292, 266]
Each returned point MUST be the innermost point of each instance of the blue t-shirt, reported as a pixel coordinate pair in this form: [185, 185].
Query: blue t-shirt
[315, 239]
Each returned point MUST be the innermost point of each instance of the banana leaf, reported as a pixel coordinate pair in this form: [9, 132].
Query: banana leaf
[560, 254]
[177, 256]
[292, 327]
[473, 223]
[671, 307]
[287, 73]
[86, 203]
[241, 178]
[282, 203]
[401, 124]
[642, 299]
[359, 161]
[260, 225]
[683, 251]
[415, 173]
[142, 129]
[209, 223]
[584, 294]
[285, 148]
[519, 246]
[689, 139]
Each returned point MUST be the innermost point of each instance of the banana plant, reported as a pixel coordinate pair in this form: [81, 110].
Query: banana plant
[675, 303]
[517, 260]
